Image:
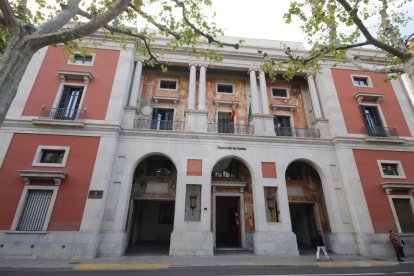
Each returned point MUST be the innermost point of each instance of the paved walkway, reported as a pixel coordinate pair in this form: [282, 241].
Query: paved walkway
[159, 262]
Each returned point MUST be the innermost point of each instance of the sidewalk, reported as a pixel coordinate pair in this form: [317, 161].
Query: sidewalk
[159, 262]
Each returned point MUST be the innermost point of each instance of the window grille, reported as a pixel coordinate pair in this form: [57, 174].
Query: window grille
[35, 210]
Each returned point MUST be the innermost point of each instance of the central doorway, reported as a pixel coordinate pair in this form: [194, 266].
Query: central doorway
[228, 222]
[304, 225]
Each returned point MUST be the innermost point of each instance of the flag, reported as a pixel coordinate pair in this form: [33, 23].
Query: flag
[233, 113]
[250, 112]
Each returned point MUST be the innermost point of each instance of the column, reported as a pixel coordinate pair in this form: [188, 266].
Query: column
[263, 92]
[202, 88]
[136, 84]
[192, 87]
[253, 92]
[314, 98]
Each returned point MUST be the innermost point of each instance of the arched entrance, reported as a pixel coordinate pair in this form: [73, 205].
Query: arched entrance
[306, 204]
[232, 200]
[151, 212]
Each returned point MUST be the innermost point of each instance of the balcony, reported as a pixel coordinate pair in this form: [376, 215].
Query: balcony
[61, 116]
[298, 132]
[376, 131]
[167, 125]
[230, 128]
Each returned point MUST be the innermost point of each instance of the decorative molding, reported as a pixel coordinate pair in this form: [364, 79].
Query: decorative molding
[29, 175]
[400, 186]
[369, 96]
[77, 75]
[173, 99]
[233, 103]
[290, 107]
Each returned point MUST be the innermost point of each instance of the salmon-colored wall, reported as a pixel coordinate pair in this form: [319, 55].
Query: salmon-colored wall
[98, 91]
[377, 199]
[269, 170]
[350, 107]
[194, 167]
[150, 89]
[299, 113]
[70, 201]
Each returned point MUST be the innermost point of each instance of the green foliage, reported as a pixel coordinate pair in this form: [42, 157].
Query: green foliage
[183, 22]
[332, 27]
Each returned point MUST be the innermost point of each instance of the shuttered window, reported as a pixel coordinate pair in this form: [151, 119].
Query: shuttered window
[35, 210]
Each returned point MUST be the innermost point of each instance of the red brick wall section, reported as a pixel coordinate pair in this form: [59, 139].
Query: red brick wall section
[194, 167]
[72, 194]
[350, 107]
[269, 170]
[377, 199]
[98, 91]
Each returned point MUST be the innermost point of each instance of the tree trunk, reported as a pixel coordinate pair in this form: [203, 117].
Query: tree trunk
[13, 64]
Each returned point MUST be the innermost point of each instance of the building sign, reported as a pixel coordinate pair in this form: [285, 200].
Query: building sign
[230, 148]
[95, 194]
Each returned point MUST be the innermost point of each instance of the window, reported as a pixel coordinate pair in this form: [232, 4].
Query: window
[372, 121]
[69, 102]
[51, 156]
[227, 168]
[225, 88]
[404, 212]
[162, 119]
[282, 125]
[361, 81]
[35, 208]
[294, 172]
[280, 93]
[159, 167]
[82, 59]
[391, 169]
[168, 84]
[224, 124]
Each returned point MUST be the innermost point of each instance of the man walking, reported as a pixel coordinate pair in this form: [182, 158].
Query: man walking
[321, 246]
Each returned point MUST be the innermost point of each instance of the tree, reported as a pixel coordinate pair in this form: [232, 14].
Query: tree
[335, 27]
[27, 27]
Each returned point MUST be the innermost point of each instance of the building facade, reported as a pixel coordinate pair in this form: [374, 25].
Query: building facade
[103, 156]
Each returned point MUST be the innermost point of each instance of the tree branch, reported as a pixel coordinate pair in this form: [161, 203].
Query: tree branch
[77, 32]
[408, 38]
[399, 68]
[125, 32]
[210, 39]
[61, 19]
[358, 22]
[156, 24]
[2, 21]
[8, 15]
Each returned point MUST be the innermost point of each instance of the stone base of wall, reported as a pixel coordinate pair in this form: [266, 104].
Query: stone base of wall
[275, 244]
[191, 243]
[52, 245]
[112, 244]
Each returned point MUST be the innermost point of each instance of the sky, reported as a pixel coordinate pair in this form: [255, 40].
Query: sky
[264, 19]
[256, 19]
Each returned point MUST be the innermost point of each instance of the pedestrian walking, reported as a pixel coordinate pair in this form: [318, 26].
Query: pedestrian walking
[396, 244]
[402, 243]
[321, 246]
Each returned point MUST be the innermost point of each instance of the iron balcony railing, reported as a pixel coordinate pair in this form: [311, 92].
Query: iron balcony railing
[159, 124]
[298, 132]
[62, 114]
[230, 128]
[377, 131]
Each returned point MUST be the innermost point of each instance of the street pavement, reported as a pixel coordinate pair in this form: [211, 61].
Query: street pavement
[244, 259]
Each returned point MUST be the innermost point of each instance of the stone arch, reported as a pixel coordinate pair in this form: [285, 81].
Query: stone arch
[307, 206]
